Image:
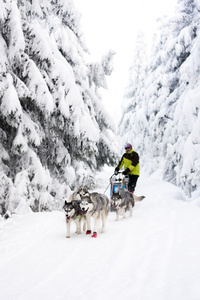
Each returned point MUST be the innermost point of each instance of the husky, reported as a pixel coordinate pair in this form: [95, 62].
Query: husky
[97, 206]
[77, 195]
[123, 201]
[74, 213]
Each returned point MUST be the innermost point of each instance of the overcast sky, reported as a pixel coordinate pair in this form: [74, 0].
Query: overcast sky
[114, 24]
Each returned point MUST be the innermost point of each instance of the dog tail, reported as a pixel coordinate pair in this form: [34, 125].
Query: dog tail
[140, 198]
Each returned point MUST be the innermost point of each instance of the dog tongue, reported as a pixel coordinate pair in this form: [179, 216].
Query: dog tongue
[83, 212]
[68, 218]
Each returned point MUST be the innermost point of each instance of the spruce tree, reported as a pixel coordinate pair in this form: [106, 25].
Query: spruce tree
[165, 117]
[55, 132]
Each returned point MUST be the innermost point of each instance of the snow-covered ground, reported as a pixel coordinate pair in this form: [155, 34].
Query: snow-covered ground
[154, 255]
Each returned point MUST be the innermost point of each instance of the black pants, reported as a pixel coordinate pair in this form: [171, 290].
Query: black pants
[132, 182]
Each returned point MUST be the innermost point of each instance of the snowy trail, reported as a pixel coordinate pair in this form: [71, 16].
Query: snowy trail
[152, 256]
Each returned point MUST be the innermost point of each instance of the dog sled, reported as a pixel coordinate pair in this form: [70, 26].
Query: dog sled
[118, 181]
[121, 199]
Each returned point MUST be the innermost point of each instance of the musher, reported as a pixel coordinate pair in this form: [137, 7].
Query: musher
[130, 161]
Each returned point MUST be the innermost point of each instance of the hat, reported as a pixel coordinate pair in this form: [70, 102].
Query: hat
[128, 146]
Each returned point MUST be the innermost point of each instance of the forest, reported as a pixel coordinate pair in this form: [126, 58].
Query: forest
[55, 132]
[161, 105]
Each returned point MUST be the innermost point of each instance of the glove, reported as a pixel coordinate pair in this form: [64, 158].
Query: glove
[125, 172]
[116, 170]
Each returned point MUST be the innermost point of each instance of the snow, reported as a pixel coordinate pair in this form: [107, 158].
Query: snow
[167, 95]
[153, 255]
[10, 101]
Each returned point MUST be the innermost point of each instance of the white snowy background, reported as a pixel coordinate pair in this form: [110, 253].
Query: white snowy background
[115, 24]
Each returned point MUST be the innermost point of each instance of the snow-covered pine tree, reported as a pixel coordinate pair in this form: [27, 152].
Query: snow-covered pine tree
[54, 129]
[170, 138]
[133, 121]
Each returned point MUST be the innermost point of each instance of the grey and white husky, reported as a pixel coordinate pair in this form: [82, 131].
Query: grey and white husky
[97, 206]
[123, 201]
[74, 213]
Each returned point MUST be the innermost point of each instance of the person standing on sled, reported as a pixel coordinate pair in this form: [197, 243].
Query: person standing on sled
[130, 161]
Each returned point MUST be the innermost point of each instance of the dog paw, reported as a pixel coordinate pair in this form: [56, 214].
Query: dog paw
[88, 232]
[94, 235]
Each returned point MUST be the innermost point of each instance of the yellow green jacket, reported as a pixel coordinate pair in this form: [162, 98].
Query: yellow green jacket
[131, 161]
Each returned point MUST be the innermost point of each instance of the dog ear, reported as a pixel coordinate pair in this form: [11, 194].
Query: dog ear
[68, 200]
[85, 189]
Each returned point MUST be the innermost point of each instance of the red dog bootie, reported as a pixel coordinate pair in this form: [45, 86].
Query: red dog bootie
[88, 232]
[94, 235]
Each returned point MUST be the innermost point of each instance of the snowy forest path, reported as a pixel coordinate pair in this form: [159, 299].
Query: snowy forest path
[152, 255]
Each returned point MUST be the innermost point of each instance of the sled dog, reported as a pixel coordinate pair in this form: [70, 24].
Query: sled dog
[74, 213]
[97, 206]
[77, 195]
[122, 201]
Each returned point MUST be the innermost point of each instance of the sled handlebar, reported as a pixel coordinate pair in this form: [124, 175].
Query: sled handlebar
[119, 179]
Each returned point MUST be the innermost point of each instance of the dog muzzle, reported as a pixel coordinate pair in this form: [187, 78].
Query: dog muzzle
[113, 205]
[68, 218]
[84, 211]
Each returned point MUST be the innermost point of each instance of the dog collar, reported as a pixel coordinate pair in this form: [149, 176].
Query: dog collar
[80, 217]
